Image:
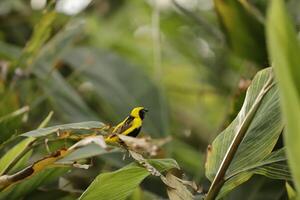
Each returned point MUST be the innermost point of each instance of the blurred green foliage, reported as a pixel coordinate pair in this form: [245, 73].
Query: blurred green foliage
[186, 61]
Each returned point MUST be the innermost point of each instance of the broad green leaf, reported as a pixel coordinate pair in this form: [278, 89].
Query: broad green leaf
[19, 190]
[115, 81]
[261, 134]
[73, 126]
[273, 166]
[243, 30]
[118, 185]
[11, 156]
[284, 52]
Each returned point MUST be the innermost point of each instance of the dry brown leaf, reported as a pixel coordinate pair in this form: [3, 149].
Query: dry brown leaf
[176, 189]
[99, 140]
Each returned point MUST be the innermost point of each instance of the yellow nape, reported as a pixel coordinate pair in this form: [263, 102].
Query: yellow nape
[135, 111]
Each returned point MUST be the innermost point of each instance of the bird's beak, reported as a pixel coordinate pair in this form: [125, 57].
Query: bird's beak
[146, 110]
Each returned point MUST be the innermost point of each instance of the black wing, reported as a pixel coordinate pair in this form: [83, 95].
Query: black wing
[127, 124]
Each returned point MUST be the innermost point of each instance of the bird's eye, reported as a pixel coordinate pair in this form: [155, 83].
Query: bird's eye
[142, 113]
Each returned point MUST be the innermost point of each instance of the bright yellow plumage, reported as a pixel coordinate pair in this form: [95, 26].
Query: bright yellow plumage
[131, 126]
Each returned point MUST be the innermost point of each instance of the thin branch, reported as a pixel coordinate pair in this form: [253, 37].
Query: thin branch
[219, 180]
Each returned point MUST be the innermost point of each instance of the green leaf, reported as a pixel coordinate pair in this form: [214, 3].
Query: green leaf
[290, 191]
[11, 156]
[89, 125]
[284, 52]
[118, 185]
[45, 122]
[243, 30]
[260, 137]
[273, 166]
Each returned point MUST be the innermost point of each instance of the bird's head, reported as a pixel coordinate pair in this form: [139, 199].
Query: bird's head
[139, 112]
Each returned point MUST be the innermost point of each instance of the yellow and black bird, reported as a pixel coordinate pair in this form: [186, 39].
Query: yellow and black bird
[131, 126]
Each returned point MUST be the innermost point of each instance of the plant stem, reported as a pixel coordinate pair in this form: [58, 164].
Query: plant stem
[219, 179]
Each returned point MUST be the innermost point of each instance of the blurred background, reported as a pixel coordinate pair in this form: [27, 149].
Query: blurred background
[188, 61]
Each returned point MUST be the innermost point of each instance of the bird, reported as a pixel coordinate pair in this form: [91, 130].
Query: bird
[130, 126]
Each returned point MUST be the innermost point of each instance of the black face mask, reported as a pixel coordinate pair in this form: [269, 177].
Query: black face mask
[142, 113]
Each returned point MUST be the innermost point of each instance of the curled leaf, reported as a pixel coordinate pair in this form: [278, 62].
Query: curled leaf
[176, 189]
[98, 140]
[89, 125]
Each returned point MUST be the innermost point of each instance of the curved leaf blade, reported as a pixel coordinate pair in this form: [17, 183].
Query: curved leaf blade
[284, 50]
[273, 166]
[118, 185]
[261, 134]
[250, 32]
[89, 125]
[10, 156]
